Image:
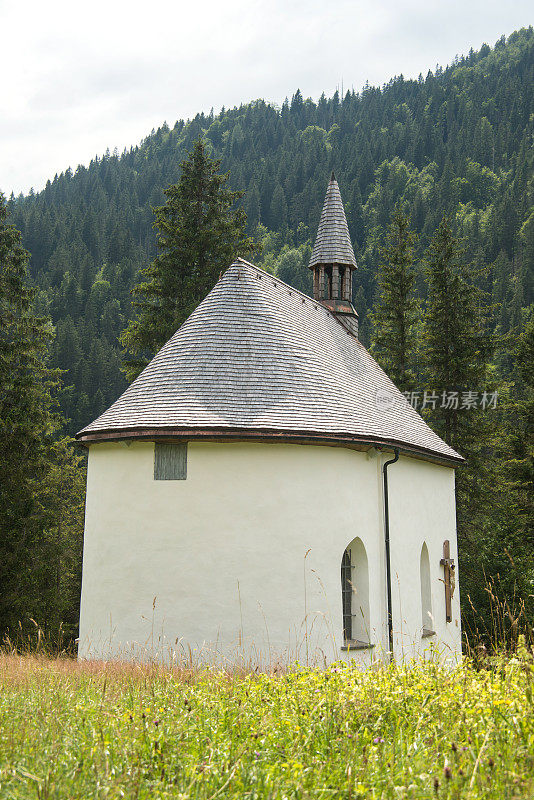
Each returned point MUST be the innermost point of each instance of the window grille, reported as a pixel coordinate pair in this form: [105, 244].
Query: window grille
[170, 462]
[346, 595]
[426, 593]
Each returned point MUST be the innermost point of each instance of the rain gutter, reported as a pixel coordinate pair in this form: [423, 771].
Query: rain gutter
[388, 552]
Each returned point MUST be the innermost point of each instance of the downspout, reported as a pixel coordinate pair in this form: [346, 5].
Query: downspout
[388, 554]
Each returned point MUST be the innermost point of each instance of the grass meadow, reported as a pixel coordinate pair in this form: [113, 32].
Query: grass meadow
[119, 730]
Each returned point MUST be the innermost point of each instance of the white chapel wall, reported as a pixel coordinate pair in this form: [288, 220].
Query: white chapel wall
[422, 510]
[241, 561]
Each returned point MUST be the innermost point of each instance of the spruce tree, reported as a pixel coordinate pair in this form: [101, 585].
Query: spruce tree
[396, 310]
[37, 466]
[518, 466]
[199, 233]
[455, 345]
[497, 527]
[456, 349]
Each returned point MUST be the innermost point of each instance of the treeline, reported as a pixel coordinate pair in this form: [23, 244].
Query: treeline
[41, 476]
[457, 141]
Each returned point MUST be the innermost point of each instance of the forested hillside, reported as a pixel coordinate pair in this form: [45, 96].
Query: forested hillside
[458, 141]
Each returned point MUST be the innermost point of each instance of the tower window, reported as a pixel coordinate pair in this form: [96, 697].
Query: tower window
[170, 462]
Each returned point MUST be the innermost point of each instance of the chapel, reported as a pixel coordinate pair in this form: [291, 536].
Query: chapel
[263, 494]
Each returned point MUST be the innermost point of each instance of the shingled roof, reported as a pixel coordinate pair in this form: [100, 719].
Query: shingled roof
[333, 245]
[258, 359]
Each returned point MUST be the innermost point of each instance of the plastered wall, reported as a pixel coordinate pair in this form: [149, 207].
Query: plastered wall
[240, 563]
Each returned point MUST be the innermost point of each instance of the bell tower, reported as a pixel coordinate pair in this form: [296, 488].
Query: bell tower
[333, 260]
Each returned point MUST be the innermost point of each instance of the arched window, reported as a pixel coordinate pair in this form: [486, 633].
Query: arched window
[426, 593]
[355, 596]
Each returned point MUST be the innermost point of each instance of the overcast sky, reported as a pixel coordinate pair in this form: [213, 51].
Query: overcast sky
[80, 77]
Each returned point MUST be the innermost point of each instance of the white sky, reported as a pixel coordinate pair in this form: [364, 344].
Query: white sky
[78, 77]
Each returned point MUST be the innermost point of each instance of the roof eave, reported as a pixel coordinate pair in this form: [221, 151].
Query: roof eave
[267, 435]
[340, 262]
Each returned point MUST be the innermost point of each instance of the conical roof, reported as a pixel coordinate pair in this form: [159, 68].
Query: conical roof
[333, 245]
[258, 359]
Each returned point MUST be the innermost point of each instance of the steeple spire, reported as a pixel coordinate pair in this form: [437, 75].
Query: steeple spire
[333, 260]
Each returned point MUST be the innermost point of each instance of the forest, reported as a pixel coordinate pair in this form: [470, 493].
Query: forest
[457, 143]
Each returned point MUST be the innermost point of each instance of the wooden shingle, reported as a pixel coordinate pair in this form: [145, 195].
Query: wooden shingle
[259, 358]
[333, 245]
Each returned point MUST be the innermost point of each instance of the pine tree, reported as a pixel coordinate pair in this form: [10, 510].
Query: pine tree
[484, 143]
[455, 346]
[253, 208]
[456, 349]
[33, 458]
[527, 241]
[199, 233]
[496, 524]
[519, 465]
[278, 212]
[396, 310]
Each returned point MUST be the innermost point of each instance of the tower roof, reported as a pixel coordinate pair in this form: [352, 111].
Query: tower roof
[333, 245]
[256, 360]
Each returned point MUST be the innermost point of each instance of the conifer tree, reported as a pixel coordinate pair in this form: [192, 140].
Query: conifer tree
[278, 209]
[518, 477]
[34, 460]
[496, 518]
[253, 209]
[455, 345]
[396, 310]
[199, 233]
[455, 350]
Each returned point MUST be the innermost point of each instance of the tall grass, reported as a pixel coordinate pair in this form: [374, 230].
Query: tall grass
[115, 730]
[32, 639]
[497, 624]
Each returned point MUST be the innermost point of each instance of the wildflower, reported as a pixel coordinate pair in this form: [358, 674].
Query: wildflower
[454, 747]
[491, 763]
[436, 785]
[377, 740]
[447, 771]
